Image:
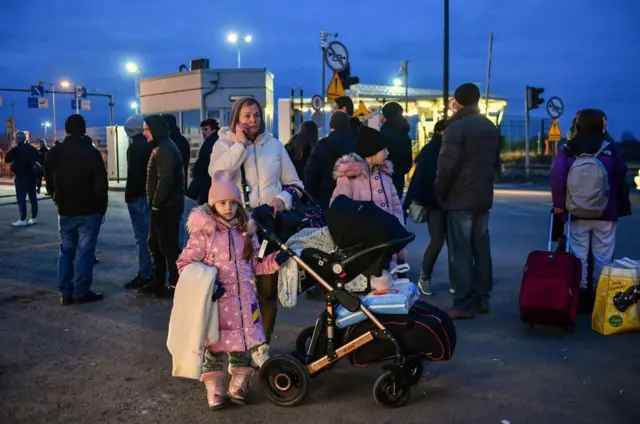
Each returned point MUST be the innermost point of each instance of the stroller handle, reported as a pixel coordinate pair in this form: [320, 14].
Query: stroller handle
[405, 240]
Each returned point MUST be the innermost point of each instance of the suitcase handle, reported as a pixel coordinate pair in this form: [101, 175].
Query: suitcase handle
[567, 231]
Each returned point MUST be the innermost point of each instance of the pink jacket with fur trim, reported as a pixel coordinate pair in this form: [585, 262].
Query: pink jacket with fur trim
[356, 180]
[217, 243]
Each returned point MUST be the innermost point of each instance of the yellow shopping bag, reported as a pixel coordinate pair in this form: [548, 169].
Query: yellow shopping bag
[617, 306]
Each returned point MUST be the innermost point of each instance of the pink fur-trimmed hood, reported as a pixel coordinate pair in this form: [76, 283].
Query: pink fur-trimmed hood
[352, 166]
[200, 220]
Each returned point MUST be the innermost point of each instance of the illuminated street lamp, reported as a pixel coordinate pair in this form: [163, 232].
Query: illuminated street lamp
[45, 125]
[397, 82]
[65, 84]
[134, 69]
[134, 106]
[234, 39]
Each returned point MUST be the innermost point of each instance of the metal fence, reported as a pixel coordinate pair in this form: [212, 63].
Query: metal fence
[512, 130]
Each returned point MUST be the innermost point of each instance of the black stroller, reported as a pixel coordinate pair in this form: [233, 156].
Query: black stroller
[424, 333]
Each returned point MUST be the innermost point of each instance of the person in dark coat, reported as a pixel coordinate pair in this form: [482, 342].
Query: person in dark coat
[301, 146]
[135, 196]
[422, 192]
[80, 193]
[465, 175]
[23, 158]
[345, 104]
[165, 194]
[181, 141]
[185, 152]
[42, 155]
[199, 188]
[396, 128]
[318, 174]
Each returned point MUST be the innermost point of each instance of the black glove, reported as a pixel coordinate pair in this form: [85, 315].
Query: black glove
[281, 258]
[218, 292]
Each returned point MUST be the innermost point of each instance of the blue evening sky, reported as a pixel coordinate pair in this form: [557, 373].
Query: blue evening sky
[580, 50]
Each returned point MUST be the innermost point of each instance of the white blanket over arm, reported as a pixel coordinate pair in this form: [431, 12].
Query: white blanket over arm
[194, 320]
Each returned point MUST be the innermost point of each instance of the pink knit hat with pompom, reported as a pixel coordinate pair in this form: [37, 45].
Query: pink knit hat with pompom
[223, 188]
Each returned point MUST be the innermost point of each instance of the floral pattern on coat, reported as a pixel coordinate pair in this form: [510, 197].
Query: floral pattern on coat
[217, 243]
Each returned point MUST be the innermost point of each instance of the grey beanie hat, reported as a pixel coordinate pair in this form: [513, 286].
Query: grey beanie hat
[133, 125]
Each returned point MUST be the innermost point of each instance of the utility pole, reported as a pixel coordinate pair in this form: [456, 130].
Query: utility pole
[489, 74]
[324, 36]
[527, 156]
[406, 87]
[445, 73]
[323, 41]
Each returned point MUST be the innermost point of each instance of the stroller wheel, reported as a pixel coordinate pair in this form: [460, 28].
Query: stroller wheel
[285, 381]
[305, 336]
[415, 371]
[391, 391]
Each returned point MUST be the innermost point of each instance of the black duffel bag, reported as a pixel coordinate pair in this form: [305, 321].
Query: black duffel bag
[425, 331]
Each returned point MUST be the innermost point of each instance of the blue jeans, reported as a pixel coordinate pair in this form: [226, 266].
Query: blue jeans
[26, 185]
[470, 264]
[139, 214]
[78, 238]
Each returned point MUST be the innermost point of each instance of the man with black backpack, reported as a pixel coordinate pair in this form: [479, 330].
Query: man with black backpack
[587, 180]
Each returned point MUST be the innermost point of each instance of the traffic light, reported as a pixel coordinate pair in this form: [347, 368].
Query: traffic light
[347, 79]
[533, 94]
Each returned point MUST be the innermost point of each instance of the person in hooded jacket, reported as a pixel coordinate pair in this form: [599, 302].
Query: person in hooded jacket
[301, 146]
[422, 191]
[345, 104]
[199, 188]
[185, 152]
[77, 179]
[318, 178]
[396, 128]
[181, 141]
[267, 167]
[135, 196]
[23, 158]
[597, 235]
[165, 195]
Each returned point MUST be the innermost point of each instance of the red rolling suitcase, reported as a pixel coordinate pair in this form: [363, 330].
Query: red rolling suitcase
[551, 286]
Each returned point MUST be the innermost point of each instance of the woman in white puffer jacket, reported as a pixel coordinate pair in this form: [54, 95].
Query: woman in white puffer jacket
[267, 167]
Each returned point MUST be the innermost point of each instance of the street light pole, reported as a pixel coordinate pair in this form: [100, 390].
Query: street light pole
[406, 87]
[239, 61]
[53, 100]
[445, 73]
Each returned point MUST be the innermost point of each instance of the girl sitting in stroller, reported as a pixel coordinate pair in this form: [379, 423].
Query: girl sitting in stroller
[367, 175]
[219, 238]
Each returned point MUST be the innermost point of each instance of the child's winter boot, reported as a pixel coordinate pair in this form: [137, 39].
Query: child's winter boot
[214, 382]
[239, 384]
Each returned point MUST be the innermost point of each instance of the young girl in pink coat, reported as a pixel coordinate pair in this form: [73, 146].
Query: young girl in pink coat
[219, 238]
[366, 175]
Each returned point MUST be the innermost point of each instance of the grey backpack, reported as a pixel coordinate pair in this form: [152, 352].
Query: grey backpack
[588, 186]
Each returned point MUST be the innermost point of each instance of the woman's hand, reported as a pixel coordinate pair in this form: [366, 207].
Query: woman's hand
[241, 136]
[277, 204]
